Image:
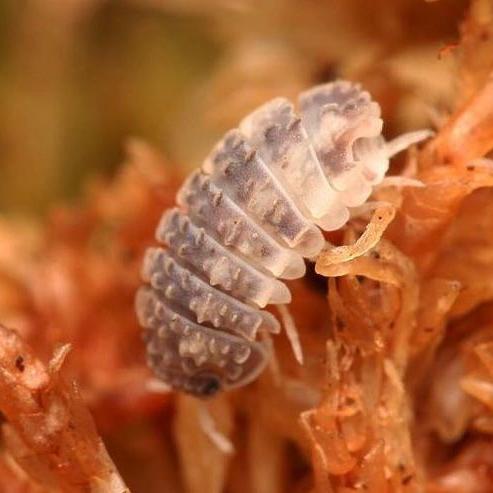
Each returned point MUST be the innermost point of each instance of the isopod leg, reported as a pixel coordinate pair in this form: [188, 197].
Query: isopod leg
[291, 332]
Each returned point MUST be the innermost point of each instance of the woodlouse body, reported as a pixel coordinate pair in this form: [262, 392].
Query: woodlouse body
[248, 218]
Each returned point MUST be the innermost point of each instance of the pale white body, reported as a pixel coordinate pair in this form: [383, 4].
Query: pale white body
[248, 218]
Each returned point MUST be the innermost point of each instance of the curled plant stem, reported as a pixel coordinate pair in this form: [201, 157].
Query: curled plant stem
[381, 218]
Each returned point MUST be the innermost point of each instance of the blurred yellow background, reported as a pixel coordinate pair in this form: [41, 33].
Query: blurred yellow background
[78, 77]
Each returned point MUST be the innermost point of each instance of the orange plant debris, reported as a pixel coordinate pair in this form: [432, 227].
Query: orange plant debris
[395, 319]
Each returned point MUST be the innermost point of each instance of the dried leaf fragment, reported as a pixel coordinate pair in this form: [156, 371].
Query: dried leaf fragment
[48, 430]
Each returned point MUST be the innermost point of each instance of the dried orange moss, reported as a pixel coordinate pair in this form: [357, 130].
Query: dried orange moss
[48, 431]
[396, 391]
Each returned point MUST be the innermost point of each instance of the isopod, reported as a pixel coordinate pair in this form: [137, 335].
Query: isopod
[248, 218]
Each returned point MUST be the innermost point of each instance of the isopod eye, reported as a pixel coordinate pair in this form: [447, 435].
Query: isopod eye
[206, 385]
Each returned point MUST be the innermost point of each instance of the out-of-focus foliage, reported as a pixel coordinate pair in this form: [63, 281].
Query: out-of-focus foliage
[396, 393]
[77, 77]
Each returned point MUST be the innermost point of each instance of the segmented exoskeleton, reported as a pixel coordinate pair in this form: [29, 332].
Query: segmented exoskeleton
[248, 218]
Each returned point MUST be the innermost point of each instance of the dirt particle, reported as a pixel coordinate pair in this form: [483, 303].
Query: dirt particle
[19, 363]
